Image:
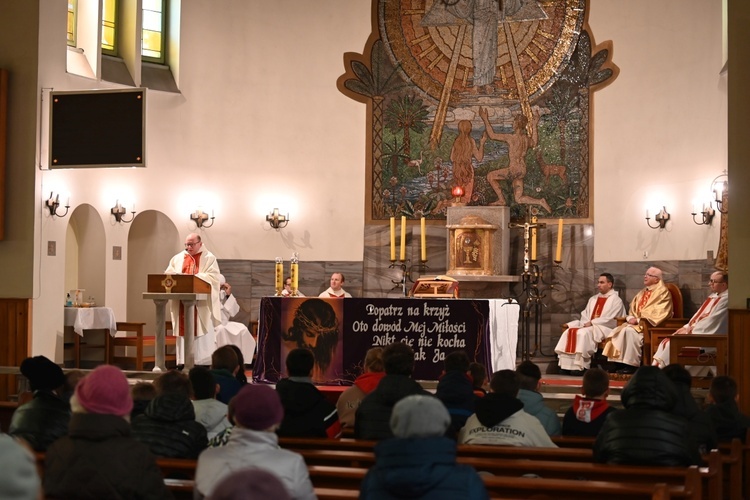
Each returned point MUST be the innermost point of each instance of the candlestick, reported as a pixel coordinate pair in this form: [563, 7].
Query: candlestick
[279, 275]
[393, 239]
[294, 273]
[558, 253]
[402, 250]
[533, 239]
[423, 239]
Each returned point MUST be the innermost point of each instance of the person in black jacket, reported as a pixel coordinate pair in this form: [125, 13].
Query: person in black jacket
[456, 390]
[647, 432]
[168, 426]
[45, 418]
[701, 428]
[723, 411]
[307, 413]
[99, 458]
[372, 420]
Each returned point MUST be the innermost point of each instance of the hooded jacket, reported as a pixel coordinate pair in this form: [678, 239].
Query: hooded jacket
[98, 459]
[456, 391]
[501, 420]
[420, 468]
[168, 427]
[307, 413]
[351, 398]
[647, 432]
[211, 414]
[586, 417]
[374, 414]
[42, 420]
[533, 404]
[728, 421]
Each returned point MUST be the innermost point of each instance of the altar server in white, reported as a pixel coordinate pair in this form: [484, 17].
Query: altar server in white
[710, 319]
[581, 338]
[232, 332]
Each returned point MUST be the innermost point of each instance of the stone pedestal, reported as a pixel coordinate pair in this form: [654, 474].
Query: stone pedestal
[478, 250]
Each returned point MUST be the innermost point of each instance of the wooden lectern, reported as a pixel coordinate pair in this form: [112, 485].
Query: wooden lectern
[186, 288]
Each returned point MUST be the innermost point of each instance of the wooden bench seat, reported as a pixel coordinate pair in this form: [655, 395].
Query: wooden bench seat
[350, 478]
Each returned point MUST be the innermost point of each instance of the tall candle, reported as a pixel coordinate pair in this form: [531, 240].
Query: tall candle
[294, 272]
[279, 275]
[393, 239]
[402, 250]
[423, 235]
[558, 254]
[533, 239]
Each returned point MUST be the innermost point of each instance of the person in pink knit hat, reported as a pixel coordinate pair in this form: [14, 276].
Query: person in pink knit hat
[98, 458]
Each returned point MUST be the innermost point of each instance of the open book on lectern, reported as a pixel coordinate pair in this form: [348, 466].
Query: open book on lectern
[435, 287]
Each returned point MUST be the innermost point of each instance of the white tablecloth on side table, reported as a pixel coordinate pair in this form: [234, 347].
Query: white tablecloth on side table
[90, 318]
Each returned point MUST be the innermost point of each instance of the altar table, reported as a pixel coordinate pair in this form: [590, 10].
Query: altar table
[340, 331]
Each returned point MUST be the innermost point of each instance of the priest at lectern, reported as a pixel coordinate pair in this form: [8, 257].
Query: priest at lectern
[197, 260]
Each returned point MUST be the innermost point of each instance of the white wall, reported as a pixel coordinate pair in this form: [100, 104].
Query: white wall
[660, 130]
[260, 123]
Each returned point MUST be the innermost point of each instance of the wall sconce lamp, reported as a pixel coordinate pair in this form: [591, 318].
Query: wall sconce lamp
[200, 217]
[661, 219]
[707, 215]
[277, 220]
[721, 189]
[119, 212]
[53, 203]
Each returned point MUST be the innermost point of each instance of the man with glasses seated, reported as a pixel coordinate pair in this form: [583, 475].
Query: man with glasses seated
[197, 260]
[580, 340]
[710, 319]
[653, 304]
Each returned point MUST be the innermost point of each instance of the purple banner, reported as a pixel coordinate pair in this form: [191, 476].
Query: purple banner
[340, 331]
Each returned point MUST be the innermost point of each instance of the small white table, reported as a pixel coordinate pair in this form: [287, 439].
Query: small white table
[80, 319]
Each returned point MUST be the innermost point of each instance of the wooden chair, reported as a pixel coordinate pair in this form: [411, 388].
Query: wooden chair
[139, 341]
[649, 330]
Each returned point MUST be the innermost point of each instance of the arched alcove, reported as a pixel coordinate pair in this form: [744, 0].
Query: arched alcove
[153, 240]
[85, 245]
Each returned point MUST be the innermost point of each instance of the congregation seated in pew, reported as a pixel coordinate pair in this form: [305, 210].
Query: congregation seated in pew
[647, 431]
[99, 458]
[589, 411]
[257, 413]
[420, 462]
[168, 426]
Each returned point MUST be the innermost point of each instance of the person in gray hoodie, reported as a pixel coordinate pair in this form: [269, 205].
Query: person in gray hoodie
[501, 420]
[530, 378]
[209, 411]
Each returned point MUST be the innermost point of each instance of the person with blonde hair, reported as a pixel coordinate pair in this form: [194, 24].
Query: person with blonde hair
[350, 399]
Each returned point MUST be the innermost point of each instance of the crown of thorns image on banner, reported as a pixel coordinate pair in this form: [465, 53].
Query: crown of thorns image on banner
[492, 97]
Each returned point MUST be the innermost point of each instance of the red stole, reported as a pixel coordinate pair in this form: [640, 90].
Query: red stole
[335, 296]
[190, 265]
[644, 300]
[570, 345]
[705, 310]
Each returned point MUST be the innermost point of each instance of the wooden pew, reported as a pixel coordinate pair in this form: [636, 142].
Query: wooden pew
[350, 478]
[683, 482]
